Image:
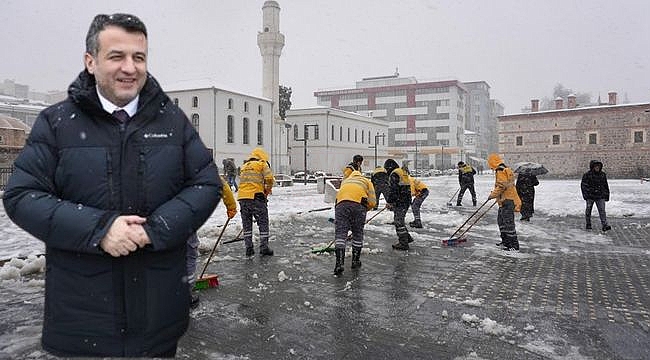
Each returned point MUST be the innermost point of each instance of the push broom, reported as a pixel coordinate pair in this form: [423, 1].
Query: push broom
[459, 239]
[210, 280]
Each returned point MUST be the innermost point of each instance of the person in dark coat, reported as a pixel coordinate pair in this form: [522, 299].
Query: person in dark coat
[357, 161]
[595, 190]
[398, 198]
[114, 180]
[526, 191]
[231, 173]
[379, 180]
[466, 181]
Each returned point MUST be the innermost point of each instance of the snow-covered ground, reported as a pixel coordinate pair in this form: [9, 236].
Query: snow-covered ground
[629, 198]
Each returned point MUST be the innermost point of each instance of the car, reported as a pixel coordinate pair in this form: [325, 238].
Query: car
[282, 180]
[300, 177]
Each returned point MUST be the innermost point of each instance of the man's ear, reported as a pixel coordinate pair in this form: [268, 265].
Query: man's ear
[89, 61]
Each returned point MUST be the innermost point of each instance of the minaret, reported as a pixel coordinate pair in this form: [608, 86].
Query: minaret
[271, 42]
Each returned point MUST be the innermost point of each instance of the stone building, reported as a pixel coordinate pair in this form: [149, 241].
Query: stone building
[13, 134]
[564, 140]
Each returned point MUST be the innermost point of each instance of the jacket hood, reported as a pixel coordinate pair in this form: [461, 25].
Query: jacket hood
[594, 163]
[390, 165]
[494, 160]
[260, 154]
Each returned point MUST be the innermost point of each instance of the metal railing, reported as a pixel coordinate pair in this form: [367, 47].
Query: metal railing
[5, 173]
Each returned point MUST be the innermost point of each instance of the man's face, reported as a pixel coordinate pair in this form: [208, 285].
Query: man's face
[120, 67]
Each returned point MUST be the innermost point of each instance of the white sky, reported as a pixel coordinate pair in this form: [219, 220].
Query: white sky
[522, 49]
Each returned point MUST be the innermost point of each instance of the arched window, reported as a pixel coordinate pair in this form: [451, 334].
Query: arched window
[355, 135]
[245, 106]
[348, 134]
[195, 121]
[230, 130]
[230, 104]
[245, 131]
[260, 132]
[332, 133]
[295, 131]
[363, 136]
[195, 101]
[176, 101]
[340, 133]
[368, 136]
[259, 109]
[316, 135]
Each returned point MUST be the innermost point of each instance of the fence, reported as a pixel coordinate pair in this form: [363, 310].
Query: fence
[5, 173]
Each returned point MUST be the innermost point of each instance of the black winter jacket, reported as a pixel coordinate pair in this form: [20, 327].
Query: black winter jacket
[594, 183]
[398, 192]
[78, 171]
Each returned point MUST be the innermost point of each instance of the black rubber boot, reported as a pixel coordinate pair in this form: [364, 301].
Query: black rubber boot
[416, 224]
[402, 244]
[266, 251]
[340, 260]
[356, 257]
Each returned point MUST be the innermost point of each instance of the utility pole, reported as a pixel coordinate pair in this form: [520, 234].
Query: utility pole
[304, 139]
[375, 146]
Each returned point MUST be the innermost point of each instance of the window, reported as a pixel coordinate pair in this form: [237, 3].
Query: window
[355, 135]
[176, 101]
[230, 104]
[592, 138]
[348, 134]
[245, 131]
[519, 140]
[368, 136]
[340, 133]
[195, 101]
[556, 139]
[316, 135]
[2, 139]
[260, 132]
[638, 137]
[195, 121]
[259, 109]
[363, 136]
[332, 133]
[230, 130]
[245, 106]
[295, 131]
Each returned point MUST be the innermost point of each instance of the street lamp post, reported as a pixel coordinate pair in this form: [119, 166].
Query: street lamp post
[304, 139]
[375, 146]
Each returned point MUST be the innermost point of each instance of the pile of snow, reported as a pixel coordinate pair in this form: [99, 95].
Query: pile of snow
[15, 268]
[282, 276]
[487, 325]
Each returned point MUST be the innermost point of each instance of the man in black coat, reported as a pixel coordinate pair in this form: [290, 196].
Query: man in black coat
[398, 199]
[379, 180]
[595, 190]
[114, 180]
[526, 190]
[466, 181]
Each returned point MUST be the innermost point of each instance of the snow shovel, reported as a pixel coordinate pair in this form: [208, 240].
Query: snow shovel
[452, 198]
[459, 239]
[329, 247]
[210, 280]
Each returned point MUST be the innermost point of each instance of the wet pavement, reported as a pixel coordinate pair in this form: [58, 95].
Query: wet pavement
[568, 294]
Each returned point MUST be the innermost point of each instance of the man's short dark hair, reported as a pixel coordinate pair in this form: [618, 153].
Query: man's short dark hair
[130, 23]
[357, 158]
[460, 163]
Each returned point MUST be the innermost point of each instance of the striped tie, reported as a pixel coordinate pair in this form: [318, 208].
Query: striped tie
[121, 115]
